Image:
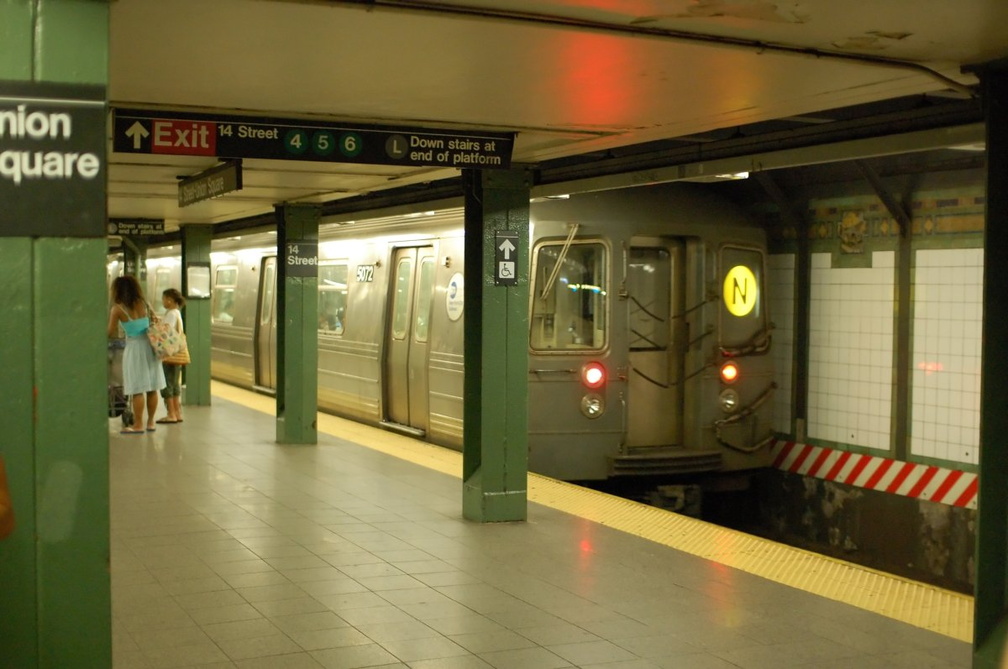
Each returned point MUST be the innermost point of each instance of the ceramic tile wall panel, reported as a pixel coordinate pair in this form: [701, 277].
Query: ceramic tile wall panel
[851, 315]
[781, 287]
[947, 329]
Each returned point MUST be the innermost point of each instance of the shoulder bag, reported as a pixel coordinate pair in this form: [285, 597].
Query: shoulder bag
[164, 339]
[180, 358]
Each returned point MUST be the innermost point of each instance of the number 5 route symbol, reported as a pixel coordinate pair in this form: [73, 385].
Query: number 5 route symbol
[323, 143]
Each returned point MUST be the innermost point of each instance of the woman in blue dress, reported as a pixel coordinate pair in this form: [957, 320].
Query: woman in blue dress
[142, 374]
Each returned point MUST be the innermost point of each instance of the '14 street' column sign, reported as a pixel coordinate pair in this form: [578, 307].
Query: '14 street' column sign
[226, 136]
[52, 160]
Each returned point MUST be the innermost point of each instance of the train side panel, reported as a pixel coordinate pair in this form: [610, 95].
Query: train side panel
[350, 357]
[446, 367]
[233, 313]
[354, 376]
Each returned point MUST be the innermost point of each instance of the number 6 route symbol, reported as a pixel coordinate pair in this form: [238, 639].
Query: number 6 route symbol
[351, 144]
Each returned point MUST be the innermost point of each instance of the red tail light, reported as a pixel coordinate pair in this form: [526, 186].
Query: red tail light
[593, 375]
[729, 372]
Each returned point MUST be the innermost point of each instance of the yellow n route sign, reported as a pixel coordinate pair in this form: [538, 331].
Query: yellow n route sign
[740, 290]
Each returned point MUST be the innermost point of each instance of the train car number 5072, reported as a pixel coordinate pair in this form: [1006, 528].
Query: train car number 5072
[365, 273]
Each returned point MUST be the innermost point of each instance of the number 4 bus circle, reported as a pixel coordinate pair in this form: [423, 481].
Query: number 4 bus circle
[351, 144]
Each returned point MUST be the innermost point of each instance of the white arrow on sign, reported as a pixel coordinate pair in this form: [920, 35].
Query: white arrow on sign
[507, 247]
[137, 132]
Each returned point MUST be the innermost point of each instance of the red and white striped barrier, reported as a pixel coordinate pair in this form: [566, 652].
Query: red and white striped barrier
[937, 484]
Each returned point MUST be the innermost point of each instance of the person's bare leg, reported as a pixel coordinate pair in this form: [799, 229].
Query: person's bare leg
[175, 407]
[138, 405]
[151, 408]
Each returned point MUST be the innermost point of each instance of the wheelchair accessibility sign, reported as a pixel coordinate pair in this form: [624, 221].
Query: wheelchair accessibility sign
[506, 258]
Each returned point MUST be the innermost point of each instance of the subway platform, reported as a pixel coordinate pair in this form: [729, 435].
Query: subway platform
[229, 550]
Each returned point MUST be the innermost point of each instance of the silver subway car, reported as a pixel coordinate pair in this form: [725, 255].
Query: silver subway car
[649, 337]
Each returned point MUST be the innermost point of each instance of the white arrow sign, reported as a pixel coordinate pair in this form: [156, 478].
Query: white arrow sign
[137, 133]
[507, 247]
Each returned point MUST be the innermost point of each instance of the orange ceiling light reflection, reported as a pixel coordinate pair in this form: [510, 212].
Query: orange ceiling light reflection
[595, 69]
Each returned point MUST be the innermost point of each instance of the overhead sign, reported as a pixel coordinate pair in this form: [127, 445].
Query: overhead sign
[506, 258]
[135, 227]
[52, 160]
[211, 183]
[225, 136]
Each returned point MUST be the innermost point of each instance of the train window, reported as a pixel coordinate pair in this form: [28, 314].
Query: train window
[649, 272]
[162, 282]
[401, 304]
[569, 297]
[332, 297]
[226, 280]
[425, 289]
[268, 283]
[743, 315]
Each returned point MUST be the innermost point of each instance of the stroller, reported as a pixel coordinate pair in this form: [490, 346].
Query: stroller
[118, 402]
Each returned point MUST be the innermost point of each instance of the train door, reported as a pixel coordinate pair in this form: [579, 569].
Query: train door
[406, 341]
[266, 329]
[656, 331]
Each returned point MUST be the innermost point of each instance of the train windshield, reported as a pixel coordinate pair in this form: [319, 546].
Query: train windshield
[569, 293]
[743, 314]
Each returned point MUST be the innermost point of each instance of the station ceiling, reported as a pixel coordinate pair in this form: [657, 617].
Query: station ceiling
[579, 82]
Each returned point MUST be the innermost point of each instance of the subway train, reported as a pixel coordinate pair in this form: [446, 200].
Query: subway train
[649, 338]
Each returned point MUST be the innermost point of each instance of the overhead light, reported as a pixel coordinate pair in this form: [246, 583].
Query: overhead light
[976, 146]
[711, 178]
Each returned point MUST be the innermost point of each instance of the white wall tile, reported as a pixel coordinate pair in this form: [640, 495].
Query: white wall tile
[851, 339]
[946, 354]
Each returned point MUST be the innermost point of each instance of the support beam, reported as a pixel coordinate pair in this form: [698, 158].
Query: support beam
[991, 596]
[495, 433]
[297, 324]
[197, 312]
[900, 211]
[55, 604]
[802, 299]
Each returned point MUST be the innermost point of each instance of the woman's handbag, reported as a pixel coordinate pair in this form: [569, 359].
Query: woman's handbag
[180, 358]
[164, 339]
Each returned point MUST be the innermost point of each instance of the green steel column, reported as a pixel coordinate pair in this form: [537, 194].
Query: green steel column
[18, 559]
[55, 606]
[495, 431]
[196, 314]
[135, 259]
[990, 597]
[297, 326]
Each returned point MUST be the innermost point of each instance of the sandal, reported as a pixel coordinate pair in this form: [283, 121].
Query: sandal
[166, 420]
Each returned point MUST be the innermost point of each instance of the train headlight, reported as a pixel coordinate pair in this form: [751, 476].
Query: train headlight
[593, 375]
[592, 405]
[728, 399]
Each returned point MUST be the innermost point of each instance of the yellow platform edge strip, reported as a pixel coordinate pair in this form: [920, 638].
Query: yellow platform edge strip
[918, 604]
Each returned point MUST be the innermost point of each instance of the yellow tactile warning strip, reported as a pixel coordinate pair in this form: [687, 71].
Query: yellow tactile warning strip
[917, 604]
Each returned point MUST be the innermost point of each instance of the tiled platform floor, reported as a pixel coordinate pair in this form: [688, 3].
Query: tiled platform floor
[231, 551]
